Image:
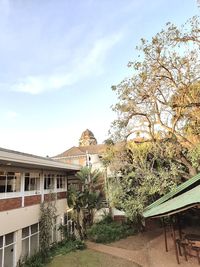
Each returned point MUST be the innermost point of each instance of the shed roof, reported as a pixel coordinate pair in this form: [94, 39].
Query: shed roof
[182, 202]
[188, 184]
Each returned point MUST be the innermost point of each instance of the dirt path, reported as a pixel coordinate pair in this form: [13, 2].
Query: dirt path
[139, 257]
[146, 250]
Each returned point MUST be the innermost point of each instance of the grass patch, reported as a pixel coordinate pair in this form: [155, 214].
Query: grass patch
[89, 258]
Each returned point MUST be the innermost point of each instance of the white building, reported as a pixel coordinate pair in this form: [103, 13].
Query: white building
[26, 181]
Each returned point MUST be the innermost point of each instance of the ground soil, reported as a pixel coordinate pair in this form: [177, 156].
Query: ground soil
[138, 241]
[146, 249]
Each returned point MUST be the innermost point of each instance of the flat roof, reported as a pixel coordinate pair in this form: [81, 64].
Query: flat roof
[16, 158]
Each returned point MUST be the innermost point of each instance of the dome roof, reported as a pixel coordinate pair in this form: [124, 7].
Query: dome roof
[87, 138]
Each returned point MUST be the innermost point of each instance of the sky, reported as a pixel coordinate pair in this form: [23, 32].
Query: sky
[59, 59]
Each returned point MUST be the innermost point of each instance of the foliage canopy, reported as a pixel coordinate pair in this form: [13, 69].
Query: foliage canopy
[161, 100]
[157, 132]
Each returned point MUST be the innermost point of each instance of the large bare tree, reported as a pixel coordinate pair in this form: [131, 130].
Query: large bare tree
[161, 100]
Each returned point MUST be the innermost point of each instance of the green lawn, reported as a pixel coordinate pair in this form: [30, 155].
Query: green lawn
[89, 258]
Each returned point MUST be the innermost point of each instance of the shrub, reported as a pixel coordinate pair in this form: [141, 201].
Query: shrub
[33, 261]
[103, 232]
[107, 218]
[62, 247]
[67, 246]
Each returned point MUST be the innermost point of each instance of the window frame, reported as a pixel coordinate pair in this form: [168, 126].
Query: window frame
[61, 181]
[15, 176]
[32, 176]
[49, 177]
[6, 246]
[30, 235]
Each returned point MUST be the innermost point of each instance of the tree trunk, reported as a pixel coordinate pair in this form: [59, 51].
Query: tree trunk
[78, 225]
[186, 162]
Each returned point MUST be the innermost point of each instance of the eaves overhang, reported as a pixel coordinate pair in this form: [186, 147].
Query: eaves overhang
[18, 159]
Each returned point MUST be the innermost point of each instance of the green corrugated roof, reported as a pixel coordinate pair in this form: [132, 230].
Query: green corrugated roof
[185, 200]
[174, 192]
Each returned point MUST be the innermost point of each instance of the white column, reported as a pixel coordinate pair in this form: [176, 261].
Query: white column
[18, 246]
[22, 187]
[55, 183]
[42, 185]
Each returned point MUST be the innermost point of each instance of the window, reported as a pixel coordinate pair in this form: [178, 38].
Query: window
[68, 217]
[55, 230]
[75, 186]
[10, 182]
[60, 181]
[69, 223]
[7, 245]
[30, 240]
[32, 181]
[49, 181]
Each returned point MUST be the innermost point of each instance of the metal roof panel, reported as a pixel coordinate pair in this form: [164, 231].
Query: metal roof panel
[174, 205]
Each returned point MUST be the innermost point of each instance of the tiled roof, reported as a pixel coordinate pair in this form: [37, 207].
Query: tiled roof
[81, 150]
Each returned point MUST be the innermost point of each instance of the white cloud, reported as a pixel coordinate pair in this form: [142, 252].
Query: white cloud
[97, 56]
[90, 64]
[39, 84]
[11, 114]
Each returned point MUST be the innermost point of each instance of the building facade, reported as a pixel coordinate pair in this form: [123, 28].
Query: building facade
[88, 153]
[25, 182]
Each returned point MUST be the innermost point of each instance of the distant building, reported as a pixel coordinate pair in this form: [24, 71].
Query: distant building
[87, 139]
[88, 153]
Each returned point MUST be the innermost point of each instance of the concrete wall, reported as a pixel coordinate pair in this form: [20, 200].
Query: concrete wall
[16, 219]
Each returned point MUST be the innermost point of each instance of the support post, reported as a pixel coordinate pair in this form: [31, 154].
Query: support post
[179, 226]
[165, 234]
[175, 245]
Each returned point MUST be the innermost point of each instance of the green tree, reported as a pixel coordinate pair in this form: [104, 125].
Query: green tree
[141, 173]
[162, 98]
[84, 202]
[161, 102]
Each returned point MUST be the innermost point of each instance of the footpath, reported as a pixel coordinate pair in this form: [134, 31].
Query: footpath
[138, 257]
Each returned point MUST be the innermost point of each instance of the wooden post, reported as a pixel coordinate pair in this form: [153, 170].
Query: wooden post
[179, 226]
[175, 245]
[165, 234]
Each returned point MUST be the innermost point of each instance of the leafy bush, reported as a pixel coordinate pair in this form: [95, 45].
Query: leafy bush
[67, 246]
[107, 218]
[33, 261]
[62, 247]
[104, 232]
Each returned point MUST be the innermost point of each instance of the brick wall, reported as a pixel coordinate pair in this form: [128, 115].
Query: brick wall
[32, 200]
[61, 195]
[14, 203]
[10, 203]
[50, 197]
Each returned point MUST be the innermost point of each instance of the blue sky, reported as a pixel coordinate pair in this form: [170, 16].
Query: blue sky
[59, 59]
